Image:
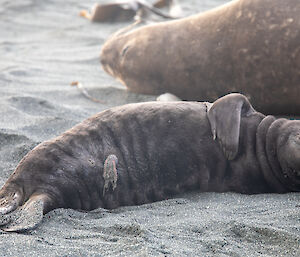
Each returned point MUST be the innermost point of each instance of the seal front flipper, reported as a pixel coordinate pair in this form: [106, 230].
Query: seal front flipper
[110, 174]
[225, 117]
[27, 216]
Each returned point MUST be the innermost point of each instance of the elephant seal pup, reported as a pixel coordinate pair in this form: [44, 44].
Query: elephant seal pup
[145, 152]
[246, 46]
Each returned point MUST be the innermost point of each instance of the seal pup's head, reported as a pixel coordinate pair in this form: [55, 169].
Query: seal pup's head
[283, 145]
[115, 57]
[132, 58]
[277, 140]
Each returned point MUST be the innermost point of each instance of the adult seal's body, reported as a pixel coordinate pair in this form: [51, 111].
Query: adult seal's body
[147, 152]
[246, 46]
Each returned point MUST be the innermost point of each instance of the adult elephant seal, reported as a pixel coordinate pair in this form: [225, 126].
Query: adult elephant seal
[140, 153]
[247, 46]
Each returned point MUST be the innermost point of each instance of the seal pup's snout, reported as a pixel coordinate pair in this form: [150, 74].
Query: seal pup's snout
[294, 142]
[109, 58]
[293, 151]
[105, 60]
[288, 146]
[113, 56]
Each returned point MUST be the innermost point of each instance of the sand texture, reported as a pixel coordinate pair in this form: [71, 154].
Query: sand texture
[44, 46]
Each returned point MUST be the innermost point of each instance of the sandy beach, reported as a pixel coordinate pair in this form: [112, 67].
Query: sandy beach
[44, 46]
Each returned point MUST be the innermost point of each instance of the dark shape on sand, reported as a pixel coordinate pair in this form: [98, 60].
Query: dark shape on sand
[246, 46]
[125, 11]
[146, 152]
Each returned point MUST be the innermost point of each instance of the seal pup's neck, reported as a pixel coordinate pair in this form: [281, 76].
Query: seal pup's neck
[266, 150]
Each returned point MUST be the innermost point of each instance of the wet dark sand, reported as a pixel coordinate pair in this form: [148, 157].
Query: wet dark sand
[44, 46]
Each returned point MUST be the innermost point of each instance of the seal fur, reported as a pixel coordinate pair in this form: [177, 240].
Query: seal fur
[246, 46]
[146, 152]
